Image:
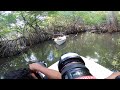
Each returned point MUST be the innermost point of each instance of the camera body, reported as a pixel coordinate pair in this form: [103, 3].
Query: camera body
[40, 75]
[72, 66]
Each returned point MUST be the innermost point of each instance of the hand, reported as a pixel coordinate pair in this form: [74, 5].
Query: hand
[113, 75]
[35, 67]
[49, 73]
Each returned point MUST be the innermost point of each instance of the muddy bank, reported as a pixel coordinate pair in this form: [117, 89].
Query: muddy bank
[20, 45]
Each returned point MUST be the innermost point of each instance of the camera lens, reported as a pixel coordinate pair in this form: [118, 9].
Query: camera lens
[71, 66]
[39, 74]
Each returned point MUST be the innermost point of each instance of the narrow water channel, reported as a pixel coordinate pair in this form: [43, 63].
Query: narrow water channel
[102, 48]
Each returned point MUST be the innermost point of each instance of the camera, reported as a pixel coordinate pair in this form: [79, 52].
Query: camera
[40, 75]
[72, 66]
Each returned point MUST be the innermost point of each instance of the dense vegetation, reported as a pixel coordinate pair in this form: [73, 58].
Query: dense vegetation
[21, 29]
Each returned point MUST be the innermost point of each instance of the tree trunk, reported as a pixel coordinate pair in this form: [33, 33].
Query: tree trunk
[112, 22]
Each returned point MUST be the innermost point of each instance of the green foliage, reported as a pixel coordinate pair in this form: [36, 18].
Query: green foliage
[51, 18]
[5, 31]
[6, 20]
[93, 18]
[70, 17]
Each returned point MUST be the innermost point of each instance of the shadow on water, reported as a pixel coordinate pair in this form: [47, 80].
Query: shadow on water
[102, 48]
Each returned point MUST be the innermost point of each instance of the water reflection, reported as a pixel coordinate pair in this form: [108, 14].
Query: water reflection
[101, 48]
[50, 56]
[32, 58]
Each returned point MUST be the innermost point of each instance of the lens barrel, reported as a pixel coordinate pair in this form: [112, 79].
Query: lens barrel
[71, 66]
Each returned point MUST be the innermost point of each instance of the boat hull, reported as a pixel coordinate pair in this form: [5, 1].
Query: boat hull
[96, 69]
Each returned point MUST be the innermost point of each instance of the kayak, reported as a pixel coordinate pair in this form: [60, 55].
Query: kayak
[60, 40]
[95, 69]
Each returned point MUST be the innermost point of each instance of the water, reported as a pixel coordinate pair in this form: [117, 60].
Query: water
[102, 48]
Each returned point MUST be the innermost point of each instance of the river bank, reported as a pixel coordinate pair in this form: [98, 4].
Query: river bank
[22, 44]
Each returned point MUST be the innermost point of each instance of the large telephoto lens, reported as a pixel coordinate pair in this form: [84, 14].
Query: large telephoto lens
[72, 66]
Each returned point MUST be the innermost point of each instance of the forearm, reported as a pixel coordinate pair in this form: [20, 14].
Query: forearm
[49, 73]
[113, 75]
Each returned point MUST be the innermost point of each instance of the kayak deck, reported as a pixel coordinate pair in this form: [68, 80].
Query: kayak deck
[96, 69]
